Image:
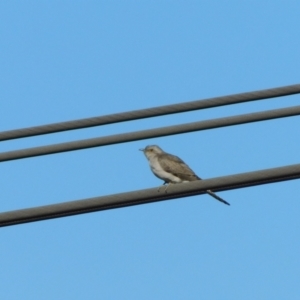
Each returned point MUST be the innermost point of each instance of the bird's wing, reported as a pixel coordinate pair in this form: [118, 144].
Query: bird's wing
[173, 164]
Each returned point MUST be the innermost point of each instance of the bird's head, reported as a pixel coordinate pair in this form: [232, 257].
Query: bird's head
[151, 151]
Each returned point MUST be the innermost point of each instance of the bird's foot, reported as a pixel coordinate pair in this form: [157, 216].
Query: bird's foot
[162, 186]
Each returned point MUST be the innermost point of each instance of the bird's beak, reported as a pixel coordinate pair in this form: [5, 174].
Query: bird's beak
[142, 150]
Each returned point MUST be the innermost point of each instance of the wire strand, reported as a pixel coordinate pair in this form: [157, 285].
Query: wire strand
[151, 112]
[150, 133]
[149, 195]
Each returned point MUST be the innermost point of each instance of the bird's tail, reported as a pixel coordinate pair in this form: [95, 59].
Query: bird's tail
[216, 197]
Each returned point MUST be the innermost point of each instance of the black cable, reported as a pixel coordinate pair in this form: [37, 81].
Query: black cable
[151, 112]
[150, 133]
[150, 195]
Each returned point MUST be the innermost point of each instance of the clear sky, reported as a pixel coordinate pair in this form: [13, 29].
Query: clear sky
[66, 60]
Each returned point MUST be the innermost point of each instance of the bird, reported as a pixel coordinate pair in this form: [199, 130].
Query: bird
[171, 169]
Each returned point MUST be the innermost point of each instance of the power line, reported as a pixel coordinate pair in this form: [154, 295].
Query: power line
[150, 133]
[151, 112]
[149, 195]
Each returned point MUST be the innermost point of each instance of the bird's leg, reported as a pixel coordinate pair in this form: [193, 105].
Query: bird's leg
[167, 186]
[161, 186]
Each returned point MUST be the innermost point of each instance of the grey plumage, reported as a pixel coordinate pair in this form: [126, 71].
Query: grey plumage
[171, 168]
[173, 164]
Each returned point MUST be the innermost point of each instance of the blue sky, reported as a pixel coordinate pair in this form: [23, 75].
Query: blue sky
[66, 60]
